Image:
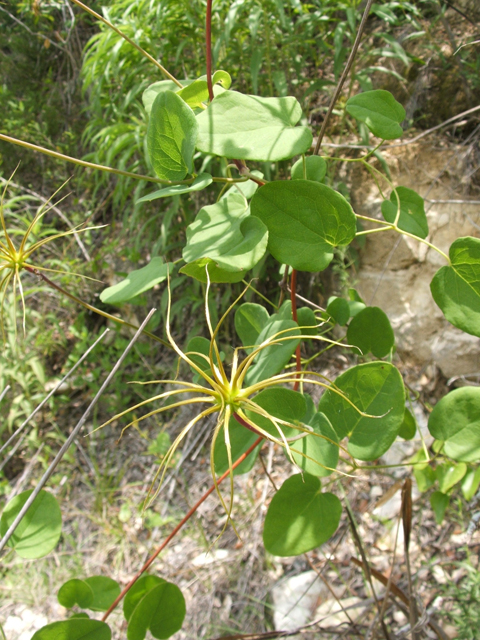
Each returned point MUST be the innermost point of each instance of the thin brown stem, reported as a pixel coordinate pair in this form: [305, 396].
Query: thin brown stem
[179, 526]
[344, 75]
[208, 44]
[293, 298]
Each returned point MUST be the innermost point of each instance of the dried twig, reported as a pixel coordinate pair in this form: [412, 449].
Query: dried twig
[48, 473]
[55, 388]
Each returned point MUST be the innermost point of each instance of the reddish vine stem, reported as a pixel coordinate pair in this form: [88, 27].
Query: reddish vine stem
[178, 527]
[208, 43]
[293, 298]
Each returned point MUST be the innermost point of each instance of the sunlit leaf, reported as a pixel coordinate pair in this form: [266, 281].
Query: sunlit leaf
[39, 530]
[456, 288]
[225, 234]
[379, 111]
[455, 419]
[171, 136]
[305, 220]
[376, 388]
[137, 282]
[252, 128]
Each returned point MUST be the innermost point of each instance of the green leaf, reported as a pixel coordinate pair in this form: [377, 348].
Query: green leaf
[154, 89]
[339, 310]
[161, 610]
[201, 182]
[409, 426]
[439, 502]
[137, 282]
[305, 221]
[470, 484]
[74, 592]
[105, 590]
[379, 111]
[272, 359]
[74, 629]
[455, 419]
[223, 78]
[370, 330]
[317, 453]
[40, 529]
[171, 136]
[136, 593]
[252, 128]
[250, 319]
[412, 211]
[307, 321]
[240, 440]
[230, 238]
[449, 474]
[316, 168]
[376, 388]
[194, 94]
[284, 404]
[300, 517]
[456, 288]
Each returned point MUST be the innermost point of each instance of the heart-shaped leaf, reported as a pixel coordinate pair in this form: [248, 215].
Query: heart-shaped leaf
[455, 419]
[136, 593]
[379, 111]
[105, 590]
[161, 610]
[227, 236]
[305, 221]
[137, 282]
[339, 310]
[74, 592]
[376, 388]
[300, 517]
[371, 331]
[39, 530]
[252, 128]
[171, 136]
[412, 217]
[456, 288]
